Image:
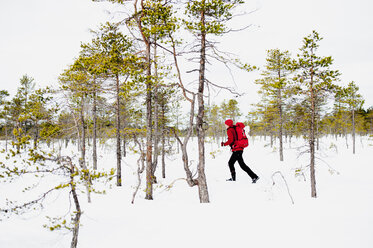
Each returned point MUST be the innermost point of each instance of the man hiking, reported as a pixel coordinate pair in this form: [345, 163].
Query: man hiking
[237, 150]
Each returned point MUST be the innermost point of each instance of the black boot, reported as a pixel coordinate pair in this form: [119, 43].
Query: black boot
[255, 179]
[233, 177]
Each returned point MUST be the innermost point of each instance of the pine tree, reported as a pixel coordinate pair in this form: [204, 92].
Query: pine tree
[4, 114]
[76, 83]
[354, 102]
[91, 60]
[120, 65]
[153, 21]
[230, 110]
[40, 113]
[204, 18]
[19, 108]
[314, 79]
[215, 123]
[275, 90]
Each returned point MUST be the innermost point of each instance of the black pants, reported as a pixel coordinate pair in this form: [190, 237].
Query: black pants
[237, 156]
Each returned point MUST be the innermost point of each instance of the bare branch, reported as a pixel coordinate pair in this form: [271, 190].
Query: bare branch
[168, 187]
[16, 209]
[224, 88]
[140, 167]
[278, 172]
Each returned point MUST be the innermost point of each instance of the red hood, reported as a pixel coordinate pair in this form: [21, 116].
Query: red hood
[229, 122]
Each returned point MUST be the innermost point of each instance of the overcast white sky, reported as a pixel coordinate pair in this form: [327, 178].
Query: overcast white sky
[41, 37]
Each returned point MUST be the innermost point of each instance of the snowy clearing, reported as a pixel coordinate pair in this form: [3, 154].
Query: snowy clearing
[241, 214]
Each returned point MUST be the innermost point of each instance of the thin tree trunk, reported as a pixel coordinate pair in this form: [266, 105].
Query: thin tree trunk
[189, 175]
[271, 139]
[124, 146]
[36, 137]
[281, 125]
[202, 183]
[94, 131]
[312, 139]
[119, 165]
[18, 126]
[83, 151]
[78, 144]
[83, 143]
[149, 165]
[140, 168]
[148, 102]
[163, 158]
[346, 137]
[353, 131]
[6, 136]
[156, 118]
[191, 182]
[317, 134]
[78, 212]
[163, 142]
[177, 128]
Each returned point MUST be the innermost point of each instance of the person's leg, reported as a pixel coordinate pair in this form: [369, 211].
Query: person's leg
[244, 166]
[231, 162]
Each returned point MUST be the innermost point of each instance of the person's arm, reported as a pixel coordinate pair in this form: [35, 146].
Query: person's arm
[230, 137]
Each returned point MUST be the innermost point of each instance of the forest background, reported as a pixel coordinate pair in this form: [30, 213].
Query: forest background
[38, 39]
[151, 79]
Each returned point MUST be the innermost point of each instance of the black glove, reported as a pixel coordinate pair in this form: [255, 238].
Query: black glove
[222, 143]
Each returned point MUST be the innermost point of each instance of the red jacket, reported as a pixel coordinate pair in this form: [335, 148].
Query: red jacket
[232, 137]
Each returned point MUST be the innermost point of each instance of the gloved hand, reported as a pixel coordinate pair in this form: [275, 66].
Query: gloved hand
[222, 143]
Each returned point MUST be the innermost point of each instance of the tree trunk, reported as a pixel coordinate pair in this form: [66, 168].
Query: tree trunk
[94, 110]
[78, 212]
[82, 142]
[156, 118]
[124, 146]
[312, 139]
[177, 128]
[18, 126]
[353, 131]
[189, 175]
[6, 137]
[317, 134]
[281, 126]
[202, 183]
[163, 158]
[149, 165]
[36, 136]
[148, 102]
[346, 137]
[163, 142]
[271, 139]
[119, 165]
[83, 151]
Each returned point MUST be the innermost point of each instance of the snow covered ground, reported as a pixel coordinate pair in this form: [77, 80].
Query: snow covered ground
[241, 214]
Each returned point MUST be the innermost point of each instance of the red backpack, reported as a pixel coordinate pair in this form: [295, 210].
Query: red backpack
[242, 140]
